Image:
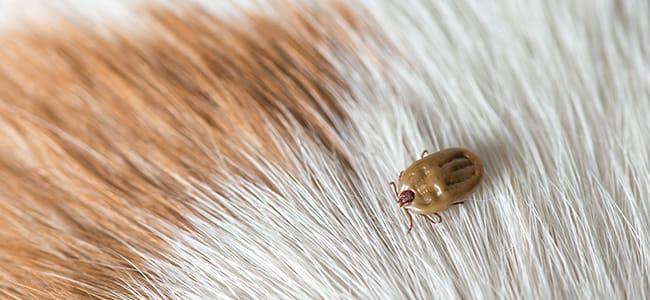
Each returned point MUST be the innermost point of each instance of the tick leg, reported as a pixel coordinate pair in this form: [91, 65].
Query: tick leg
[433, 221]
[410, 220]
[459, 203]
[392, 184]
[424, 153]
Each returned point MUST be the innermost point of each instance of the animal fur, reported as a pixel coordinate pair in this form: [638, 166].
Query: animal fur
[243, 150]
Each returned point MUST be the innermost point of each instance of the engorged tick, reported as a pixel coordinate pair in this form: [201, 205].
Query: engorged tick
[434, 182]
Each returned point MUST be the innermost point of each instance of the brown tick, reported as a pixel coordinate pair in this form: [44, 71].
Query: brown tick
[436, 181]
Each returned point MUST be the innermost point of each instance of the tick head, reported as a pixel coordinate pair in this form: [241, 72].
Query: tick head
[405, 197]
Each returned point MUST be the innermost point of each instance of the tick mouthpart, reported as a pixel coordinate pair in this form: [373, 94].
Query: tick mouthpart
[405, 198]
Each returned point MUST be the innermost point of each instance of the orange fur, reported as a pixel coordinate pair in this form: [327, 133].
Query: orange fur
[100, 136]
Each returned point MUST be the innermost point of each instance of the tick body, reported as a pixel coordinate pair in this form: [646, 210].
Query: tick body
[437, 181]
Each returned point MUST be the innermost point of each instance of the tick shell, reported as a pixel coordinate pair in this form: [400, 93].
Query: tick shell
[440, 179]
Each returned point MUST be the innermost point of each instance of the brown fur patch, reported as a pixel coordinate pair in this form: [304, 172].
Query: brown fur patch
[100, 137]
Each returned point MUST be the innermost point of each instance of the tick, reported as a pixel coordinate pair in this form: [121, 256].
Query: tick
[436, 181]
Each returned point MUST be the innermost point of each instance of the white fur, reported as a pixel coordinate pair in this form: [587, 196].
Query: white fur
[554, 96]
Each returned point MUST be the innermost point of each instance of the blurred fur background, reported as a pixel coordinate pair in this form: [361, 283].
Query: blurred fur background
[244, 149]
